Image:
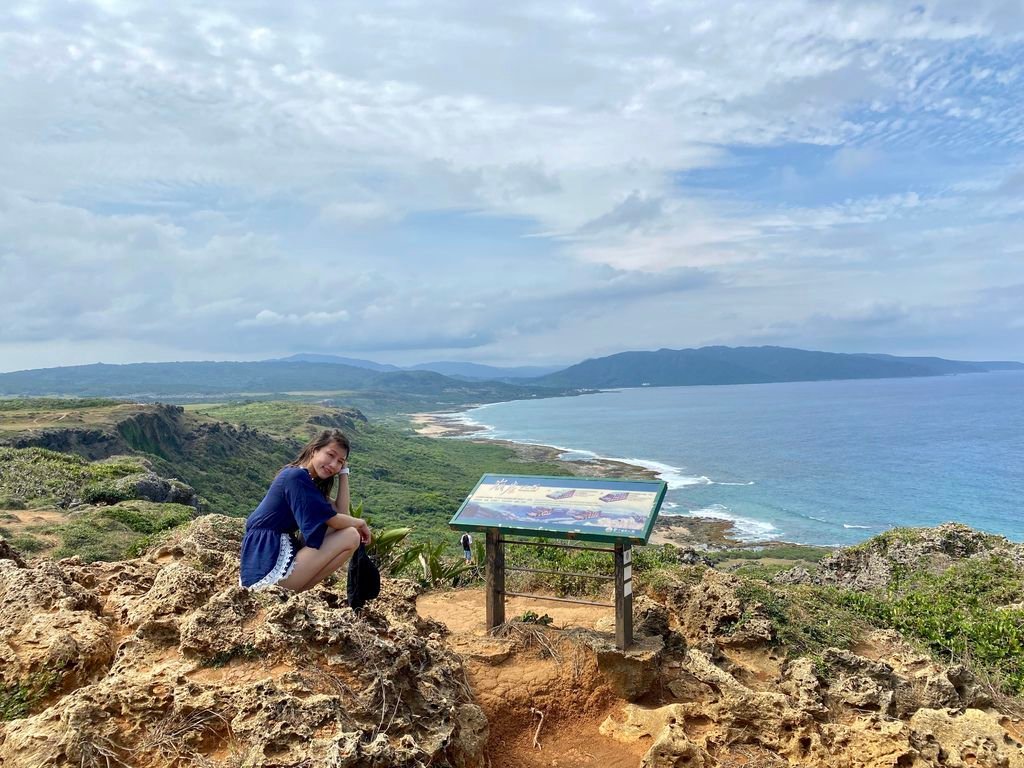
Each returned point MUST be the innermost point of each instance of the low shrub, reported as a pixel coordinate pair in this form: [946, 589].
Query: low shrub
[20, 699]
[805, 619]
[115, 533]
[972, 613]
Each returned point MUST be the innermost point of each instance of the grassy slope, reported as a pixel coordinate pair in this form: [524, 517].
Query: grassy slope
[399, 477]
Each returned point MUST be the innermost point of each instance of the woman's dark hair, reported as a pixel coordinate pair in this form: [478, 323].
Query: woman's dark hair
[325, 438]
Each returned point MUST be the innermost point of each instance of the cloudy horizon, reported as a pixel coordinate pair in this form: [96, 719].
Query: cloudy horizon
[532, 185]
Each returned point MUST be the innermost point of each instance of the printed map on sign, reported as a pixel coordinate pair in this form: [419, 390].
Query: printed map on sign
[595, 509]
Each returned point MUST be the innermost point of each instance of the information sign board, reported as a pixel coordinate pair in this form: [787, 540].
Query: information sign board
[590, 509]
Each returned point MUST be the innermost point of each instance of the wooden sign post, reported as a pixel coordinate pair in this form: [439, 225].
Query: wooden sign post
[619, 513]
[495, 579]
[623, 596]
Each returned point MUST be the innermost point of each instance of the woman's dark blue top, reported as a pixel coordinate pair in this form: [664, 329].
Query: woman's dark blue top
[292, 503]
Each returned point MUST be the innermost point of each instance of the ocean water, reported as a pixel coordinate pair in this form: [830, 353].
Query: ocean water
[831, 462]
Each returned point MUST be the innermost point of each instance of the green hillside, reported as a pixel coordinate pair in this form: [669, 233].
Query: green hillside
[229, 453]
[750, 365]
[188, 382]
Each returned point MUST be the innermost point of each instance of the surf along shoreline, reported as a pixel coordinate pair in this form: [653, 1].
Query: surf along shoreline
[702, 533]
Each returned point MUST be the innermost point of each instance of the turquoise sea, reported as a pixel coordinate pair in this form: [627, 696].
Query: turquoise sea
[830, 462]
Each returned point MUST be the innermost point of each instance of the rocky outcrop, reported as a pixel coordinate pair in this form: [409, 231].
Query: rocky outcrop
[874, 563]
[164, 660]
[735, 703]
[711, 612]
[147, 486]
[339, 418]
[89, 443]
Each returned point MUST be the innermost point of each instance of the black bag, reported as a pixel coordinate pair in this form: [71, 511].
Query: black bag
[363, 579]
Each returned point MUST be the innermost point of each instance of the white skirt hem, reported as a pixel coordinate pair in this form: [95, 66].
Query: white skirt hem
[282, 568]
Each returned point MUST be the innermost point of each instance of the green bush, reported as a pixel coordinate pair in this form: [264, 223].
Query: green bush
[148, 518]
[22, 698]
[970, 612]
[107, 492]
[115, 533]
[37, 476]
[804, 619]
[26, 543]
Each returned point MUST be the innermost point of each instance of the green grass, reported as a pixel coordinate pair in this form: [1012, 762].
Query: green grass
[804, 619]
[20, 699]
[802, 552]
[117, 532]
[654, 564]
[286, 419]
[971, 613]
[53, 403]
[39, 475]
[26, 543]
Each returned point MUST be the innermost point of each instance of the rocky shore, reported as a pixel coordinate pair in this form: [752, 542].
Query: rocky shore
[696, 532]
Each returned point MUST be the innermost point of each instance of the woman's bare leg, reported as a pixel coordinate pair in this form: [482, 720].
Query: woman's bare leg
[330, 568]
[314, 565]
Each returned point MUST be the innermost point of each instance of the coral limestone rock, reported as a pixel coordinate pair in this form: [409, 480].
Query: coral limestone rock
[166, 661]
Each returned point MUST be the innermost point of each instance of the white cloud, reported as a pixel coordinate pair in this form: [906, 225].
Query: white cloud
[360, 212]
[248, 174]
[268, 317]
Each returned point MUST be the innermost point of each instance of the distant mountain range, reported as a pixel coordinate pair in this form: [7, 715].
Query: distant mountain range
[190, 381]
[453, 383]
[447, 368]
[751, 365]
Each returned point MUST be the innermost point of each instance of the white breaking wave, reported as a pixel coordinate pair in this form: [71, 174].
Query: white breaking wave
[862, 527]
[462, 417]
[744, 528]
[673, 476]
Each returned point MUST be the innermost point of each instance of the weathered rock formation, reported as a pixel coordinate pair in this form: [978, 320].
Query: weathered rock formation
[165, 661]
[873, 564]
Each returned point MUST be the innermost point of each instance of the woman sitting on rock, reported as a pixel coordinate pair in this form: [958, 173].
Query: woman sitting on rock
[299, 500]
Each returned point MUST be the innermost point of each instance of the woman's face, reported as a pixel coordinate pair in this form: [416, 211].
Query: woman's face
[328, 461]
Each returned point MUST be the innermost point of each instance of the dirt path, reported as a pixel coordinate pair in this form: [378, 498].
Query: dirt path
[462, 611]
[515, 682]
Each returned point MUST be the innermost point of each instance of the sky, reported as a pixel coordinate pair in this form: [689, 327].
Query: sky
[525, 185]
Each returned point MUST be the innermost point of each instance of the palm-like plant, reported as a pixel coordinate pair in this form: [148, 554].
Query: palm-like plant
[436, 568]
[386, 547]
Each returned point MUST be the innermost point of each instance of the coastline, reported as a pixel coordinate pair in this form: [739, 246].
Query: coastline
[702, 533]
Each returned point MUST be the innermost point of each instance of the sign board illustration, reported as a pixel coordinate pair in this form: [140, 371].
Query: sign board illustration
[590, 509]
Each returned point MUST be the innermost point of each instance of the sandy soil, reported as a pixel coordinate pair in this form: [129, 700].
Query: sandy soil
[36, 522]
[515, 685]
[462, 611]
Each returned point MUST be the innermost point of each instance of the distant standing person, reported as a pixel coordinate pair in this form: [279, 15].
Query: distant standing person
[467, 547]
[299, 500]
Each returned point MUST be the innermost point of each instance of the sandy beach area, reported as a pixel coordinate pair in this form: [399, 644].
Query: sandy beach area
[694, 532]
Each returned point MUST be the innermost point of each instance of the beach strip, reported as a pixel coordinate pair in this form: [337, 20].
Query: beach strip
[679, 530]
